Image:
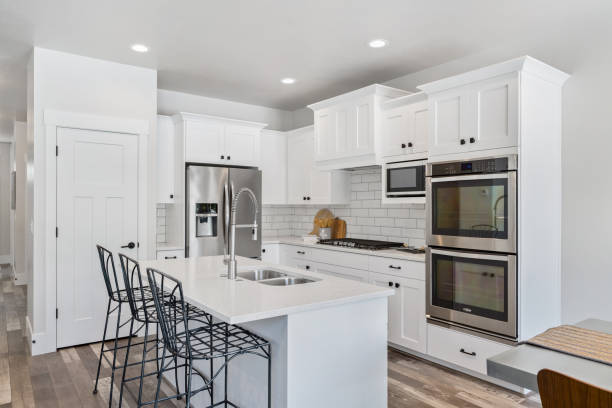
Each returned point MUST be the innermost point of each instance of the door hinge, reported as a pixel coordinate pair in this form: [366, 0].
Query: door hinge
[56, 150]
[56, 232]
[56, 313]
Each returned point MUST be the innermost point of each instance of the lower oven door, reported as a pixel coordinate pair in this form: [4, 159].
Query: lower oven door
[473, 289]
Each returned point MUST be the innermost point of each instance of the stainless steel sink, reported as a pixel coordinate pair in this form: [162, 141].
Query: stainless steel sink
[286, 281]
[260, 274]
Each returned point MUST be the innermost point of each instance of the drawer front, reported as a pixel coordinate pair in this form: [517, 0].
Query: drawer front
[398, 267]
[270, 253]
[342, 272]
[174, 254]
[345, 259]
[462, 349]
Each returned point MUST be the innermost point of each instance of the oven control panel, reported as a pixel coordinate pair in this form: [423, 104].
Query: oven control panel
[496, 165]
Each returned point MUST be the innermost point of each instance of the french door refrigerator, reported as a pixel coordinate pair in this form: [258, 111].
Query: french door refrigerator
[209, 191]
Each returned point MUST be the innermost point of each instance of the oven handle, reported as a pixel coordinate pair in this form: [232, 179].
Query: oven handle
[472, 177]
[461, 254]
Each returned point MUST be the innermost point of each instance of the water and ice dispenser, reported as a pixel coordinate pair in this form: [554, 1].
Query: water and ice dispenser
[206, 219]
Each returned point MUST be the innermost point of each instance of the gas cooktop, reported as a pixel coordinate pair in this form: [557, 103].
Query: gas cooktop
[360, 243]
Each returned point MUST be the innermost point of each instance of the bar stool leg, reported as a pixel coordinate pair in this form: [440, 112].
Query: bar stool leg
[159, 378]
[269, 376]
[113, 367]
[188, 390]
[95, 391]
[125, 362]
[142, 364]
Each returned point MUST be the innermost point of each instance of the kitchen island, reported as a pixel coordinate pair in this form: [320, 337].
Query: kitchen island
[328, 336]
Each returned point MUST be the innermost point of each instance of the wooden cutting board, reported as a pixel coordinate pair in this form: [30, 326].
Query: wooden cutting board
[321, 214]
[339, 229]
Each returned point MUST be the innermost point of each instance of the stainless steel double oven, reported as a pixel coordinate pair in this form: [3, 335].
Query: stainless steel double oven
[472, 241]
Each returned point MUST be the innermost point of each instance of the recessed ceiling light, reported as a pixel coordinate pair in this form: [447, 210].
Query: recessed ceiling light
[140, 48]
[288, 81]
[378, 43]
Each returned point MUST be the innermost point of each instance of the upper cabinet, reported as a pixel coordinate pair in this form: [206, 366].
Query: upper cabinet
[165, 160]
[481, 109]
[305, 183]
[404, 128]
[273, 166]
[215, 140]
[347, 128]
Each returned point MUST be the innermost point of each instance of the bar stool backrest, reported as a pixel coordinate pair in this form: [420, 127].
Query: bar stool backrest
[132, 280]
[107, 264]
[171, 310]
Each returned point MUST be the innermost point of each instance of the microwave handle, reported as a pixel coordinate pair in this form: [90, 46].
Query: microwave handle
[471, 177]
[461, 254]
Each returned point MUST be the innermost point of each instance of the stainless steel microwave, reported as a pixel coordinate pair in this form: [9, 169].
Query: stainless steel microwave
[404, 179]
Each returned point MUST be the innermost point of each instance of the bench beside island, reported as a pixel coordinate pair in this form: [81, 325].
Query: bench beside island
[328, 336]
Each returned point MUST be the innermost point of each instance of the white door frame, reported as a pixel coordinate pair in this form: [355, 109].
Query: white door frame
[8, 258]
[58, 119]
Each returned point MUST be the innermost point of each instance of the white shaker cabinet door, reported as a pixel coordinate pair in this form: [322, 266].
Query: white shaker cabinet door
[300, 147]
[273, 167]
[419, 128]
[165, 160]
[204, 142]
[241, 145]
[450, 122]
[395, 131]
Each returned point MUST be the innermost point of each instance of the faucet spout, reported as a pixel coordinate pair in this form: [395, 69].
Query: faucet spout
[232, 265]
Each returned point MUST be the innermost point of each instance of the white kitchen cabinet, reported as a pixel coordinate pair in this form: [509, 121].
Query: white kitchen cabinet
[347, 127]
[405, 125]
[407, 321]
[273, 166]
[170, 254]
[305, 183]
[270, 253]
[215, 140]
[165, 160]
[342, 272]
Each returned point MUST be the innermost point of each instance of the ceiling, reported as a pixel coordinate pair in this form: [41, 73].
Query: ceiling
[240, 49]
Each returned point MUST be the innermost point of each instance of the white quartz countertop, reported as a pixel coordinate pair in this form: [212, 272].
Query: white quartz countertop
[385, 253]
[240, 301]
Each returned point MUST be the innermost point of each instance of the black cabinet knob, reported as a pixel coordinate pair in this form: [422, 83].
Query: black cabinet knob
[263, 250]
[304, 198]
[397, 285]
[171, 195]
[409, 144]
[391, 284]
[228, 157]
[472, 140]
[403, 145]
[307, 266]
[222, 157]
[307, 198]
[462, 141]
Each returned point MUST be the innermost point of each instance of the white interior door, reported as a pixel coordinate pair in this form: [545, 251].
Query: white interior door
[97, 203]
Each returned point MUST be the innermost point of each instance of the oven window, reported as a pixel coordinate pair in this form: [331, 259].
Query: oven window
[470, 208]
[475, 286]
[406, 179]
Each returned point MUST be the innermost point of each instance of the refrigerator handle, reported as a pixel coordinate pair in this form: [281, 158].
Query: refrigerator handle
[226, 216]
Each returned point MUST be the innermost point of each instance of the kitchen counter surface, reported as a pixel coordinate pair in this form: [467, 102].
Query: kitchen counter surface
[385, 253]
[239, 301]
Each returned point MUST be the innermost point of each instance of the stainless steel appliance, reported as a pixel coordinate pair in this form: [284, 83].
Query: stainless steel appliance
[404, 179]
[472, 204]
[360, 243]
[209, 191]
[473, 289]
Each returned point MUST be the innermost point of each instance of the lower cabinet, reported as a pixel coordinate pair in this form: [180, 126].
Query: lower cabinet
[170, 254]
[407, 323]
[342, 272]
[270, 253]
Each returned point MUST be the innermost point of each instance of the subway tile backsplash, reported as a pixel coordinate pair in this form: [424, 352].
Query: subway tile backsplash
[365, 216]
[161, 224]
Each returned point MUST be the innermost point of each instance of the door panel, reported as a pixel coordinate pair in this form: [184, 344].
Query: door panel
[97, 199]
[300, 166]
[241, 145]
[419, 125]
[497, 115]
[204, 142]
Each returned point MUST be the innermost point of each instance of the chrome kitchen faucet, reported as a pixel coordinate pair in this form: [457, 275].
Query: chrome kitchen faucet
[232, 265]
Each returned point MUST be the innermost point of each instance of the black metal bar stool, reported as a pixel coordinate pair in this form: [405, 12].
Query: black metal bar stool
[216, 342]
[143, 312]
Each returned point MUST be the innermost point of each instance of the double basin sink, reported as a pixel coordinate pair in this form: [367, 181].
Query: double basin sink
[273, 278]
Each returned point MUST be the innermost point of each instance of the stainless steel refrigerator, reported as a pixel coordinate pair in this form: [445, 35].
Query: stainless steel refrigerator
[209, 191]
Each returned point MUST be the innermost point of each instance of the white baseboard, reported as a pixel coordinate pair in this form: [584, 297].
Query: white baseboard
[39, 342]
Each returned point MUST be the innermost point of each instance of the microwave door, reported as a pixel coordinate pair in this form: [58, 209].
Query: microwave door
[472, 212]
[405, 180]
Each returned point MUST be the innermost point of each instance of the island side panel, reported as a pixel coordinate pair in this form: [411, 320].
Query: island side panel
[337, 356]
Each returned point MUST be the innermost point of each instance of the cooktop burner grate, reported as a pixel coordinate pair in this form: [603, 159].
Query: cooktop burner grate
[361, 243]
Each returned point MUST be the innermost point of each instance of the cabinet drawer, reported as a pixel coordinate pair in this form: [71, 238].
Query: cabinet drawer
[342, 272]
[171, 254]
[345, 259]
[398, 267]
[462, 349]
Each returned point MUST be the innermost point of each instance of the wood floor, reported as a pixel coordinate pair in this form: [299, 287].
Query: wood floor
[66, 378]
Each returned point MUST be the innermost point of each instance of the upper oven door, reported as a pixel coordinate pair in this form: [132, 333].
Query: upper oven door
[472, 212]
[406, 178]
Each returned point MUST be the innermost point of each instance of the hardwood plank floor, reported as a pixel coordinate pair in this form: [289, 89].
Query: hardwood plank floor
[66, 378]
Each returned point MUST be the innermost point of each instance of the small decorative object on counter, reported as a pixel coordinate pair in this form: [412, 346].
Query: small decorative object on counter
[325, 232]
[321, 215]
[339, 229]
[325, 227]
[310, 239]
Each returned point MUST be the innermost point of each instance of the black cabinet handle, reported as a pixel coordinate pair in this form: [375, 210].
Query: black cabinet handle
[462, 141]
[228, 157]
[130, 245]
[222, 157]
[391, 284]
[307, 198]
[397, 285]
[304, 198]
[171, 195]
[403, 145]
[473, 353]
[409, 144]
[472, 140]
[395, 267]
[301, 252]
[263, 250]
[170, 257]
[307, 266]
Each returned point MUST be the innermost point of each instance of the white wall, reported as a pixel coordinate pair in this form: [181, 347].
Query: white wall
[73, 83]
[171, 102]
[20, 136]
[5, 204]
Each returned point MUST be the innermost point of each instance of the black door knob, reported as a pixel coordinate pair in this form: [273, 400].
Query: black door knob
[472, 140]
[130, 245]
[409, 144]
[403, 145]
[462, 141]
